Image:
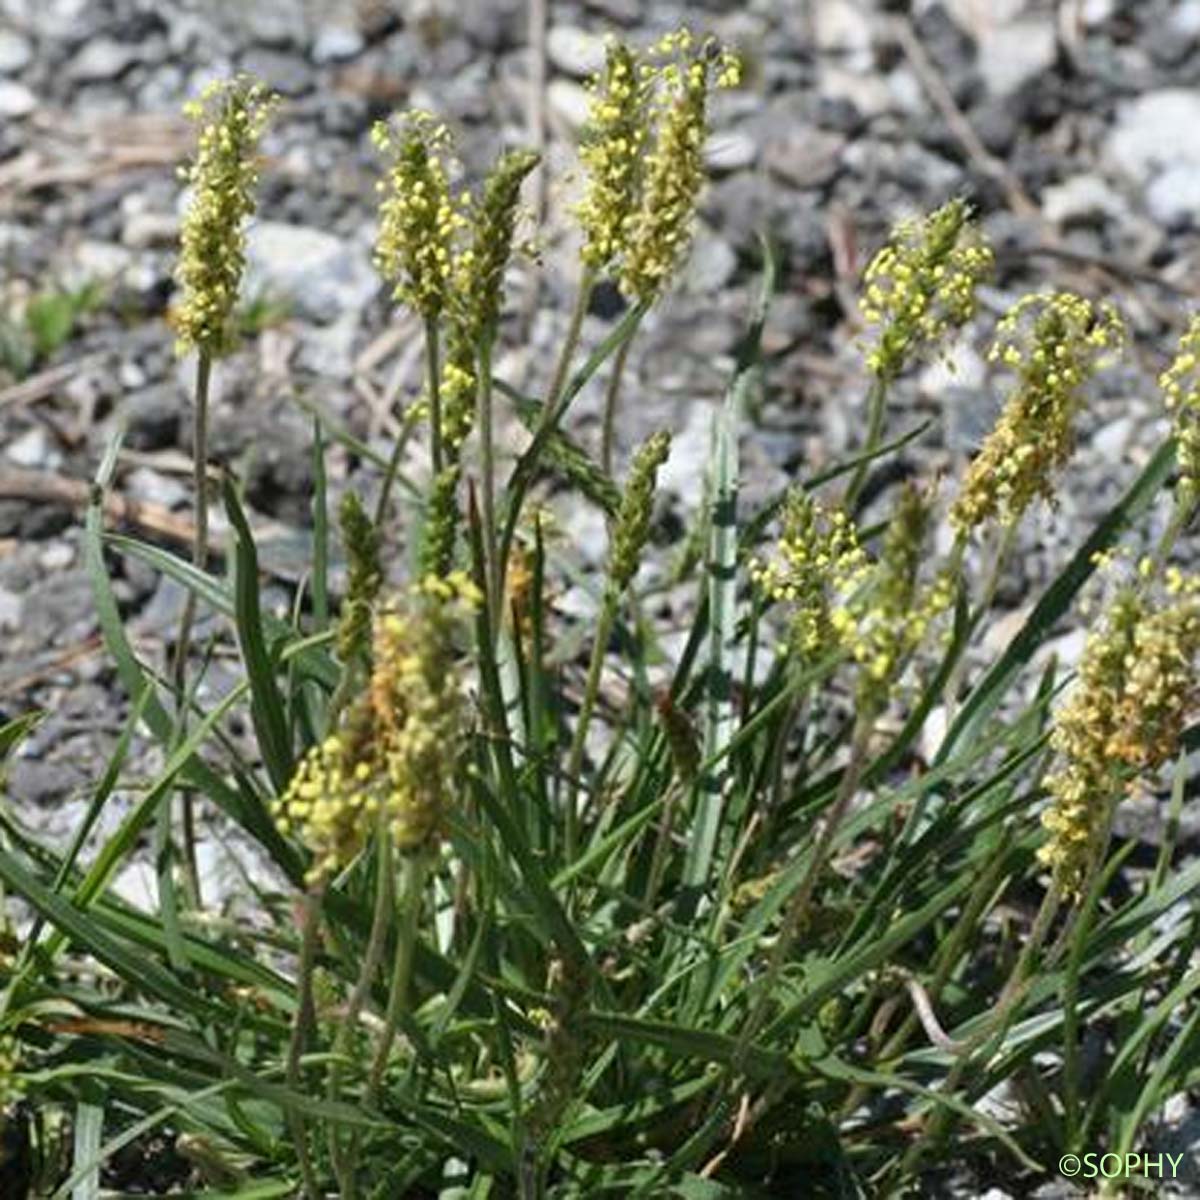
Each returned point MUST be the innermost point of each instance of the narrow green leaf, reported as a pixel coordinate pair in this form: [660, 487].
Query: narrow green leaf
[266, 701]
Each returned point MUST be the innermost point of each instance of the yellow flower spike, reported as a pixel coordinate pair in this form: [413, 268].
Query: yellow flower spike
[893, 613]
[611, 152]
[1055, 343]
[223, 177]
[631, 528]
[660, 231]
[418, 221]
[1136, 685]
[642, 152]
[396, 752]
[819, 557]
[360, 540]
[922, 284]
[1180, 384]
[458, 386]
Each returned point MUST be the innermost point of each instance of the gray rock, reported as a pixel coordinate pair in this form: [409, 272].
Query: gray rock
[574, 51]
[151, 487]
[337, 43]
[1146, 137]
[102, 59]
[320, 274]
[144, 230]
[805, 157]
[328, 351]
[16, 100]
[869, 94]
[10, 609]
[711, 264]
[623, 12]
[1012, 54]
[153, 416]
[1173, 199]
[16, 53]
[840, 29]
[287, 73]
[47, 18]
[493, 24]
[34, 782]
[273, 22]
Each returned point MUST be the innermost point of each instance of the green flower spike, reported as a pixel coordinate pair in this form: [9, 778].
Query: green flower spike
[223, 177]
[1054, 344]
[922, 284]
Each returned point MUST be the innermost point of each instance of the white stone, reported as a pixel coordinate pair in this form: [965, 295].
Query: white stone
[143, 230]
[569, 102]
[1081, 198]
[16, 100]
[337, 43]
[866, 91]
[1174, 197]
[32, 449]
[322, 275]
[689, 446]
[730, 150]
[1151, 132]
[56, 556]
[1113, 439]
[1094, 13]
[574, 51]
[840, 26]
[1185, 20]
[15, 52]
[102, 261]
[152, 487]
[101, 59]
[1010, 55]
[137, 885]
[10, 609]
[711, 263]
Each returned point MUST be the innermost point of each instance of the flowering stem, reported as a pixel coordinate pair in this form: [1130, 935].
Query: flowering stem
[414, 869]
[550, 416]
[591, 689]
[610, 406]
[385, 892]
[979, 610]
[433, 374]
[1181, 512]
[876, 409]
[558, 383]
[487, 448]
[301, 1027]
[188, 616]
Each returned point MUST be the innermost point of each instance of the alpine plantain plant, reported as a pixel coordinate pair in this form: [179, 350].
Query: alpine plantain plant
[537, 920]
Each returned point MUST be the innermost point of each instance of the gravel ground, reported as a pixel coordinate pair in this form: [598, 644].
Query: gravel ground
[1067, 124]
